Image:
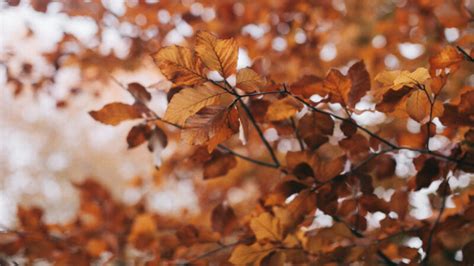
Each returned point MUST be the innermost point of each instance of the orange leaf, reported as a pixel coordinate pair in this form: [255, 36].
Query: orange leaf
[338, 87]
[248, 80]
[219, 165]
[115, 113]
[180, 65]
[283, 109]
[217, 54]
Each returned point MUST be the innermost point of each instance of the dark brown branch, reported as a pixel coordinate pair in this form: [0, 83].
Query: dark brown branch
[260, 133]
[465, 54]
[436, 223]
[297, 133]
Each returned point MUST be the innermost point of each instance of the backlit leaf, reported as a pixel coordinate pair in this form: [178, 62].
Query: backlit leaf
[266, 226]
[254, 254]
[115, 113]
[248, 80]
[180, 65]
[283, 109]
[217, 54]
[360, 80]
[189, 101]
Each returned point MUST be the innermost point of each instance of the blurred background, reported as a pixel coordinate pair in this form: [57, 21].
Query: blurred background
[58, 60]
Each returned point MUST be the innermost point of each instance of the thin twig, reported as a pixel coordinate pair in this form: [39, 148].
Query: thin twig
[436, 223]
[297, 133]
[260, 133]
[465, 54]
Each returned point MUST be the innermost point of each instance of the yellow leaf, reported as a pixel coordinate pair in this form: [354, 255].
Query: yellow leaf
[254, 254]
[213, 124]
[180, 65]
[189, 101]
[398, 79]
[115, 113]
[266, 226]
[283, 109]
[418, 106]
[248, 80]
[220, 55]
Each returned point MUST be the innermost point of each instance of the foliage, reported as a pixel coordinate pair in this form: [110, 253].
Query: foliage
[333, 167]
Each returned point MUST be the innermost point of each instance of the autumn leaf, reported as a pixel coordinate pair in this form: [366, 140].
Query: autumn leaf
[266, 227]
[418, 106]
[212, 125]
[115, 113]
[248, 80]
[338, 87]
[223, 219]
[139, 92]
[138, 135]
[283, 109]
[360, 82]
[397, 80]
[315, 129]
[180, 65]
[189, 101]
[254, 254]
[325, 170]
[307, 86]
[429, 172]
[218, 165]
[217, 54]
[449, 57]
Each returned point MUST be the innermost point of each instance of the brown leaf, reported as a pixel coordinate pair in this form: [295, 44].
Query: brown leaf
[338, 87]
[139, 92]
[360, 82]
[248, 80]
[466, 106]
[418, 106]
[189, 101]
[283, 109]
[212, 125]
[447, 58]
[399, 203]
[266, 226]
[115, 113]
[218, 165]
[217, 54]
[223, 219]
[156, 143]
[308, 86]
[429, 172]
[315, 128]
[138, 135]
[392, 99]
[254, 254]
[180, 65]
[326, 170]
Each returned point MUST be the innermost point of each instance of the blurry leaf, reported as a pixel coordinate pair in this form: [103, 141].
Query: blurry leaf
[266, 226]
[212, 125]
[437, 83]
[248, 80]
[138, 135]
[466, 106]
[115, 113]
[254, 254]
[283, 109]
[429, 172]
[399, 203]
[223, 219]
[315, 128]
[360, 82]
[468, 253]
[348, 128]
[180, 65]
[447, 58]
[308, 86]
[392, 99]
[156, 143]
[218, 165]
[282, 191]
[189, 101]
[143, 231]
[325, 170]
[139, 92]
[217, 54]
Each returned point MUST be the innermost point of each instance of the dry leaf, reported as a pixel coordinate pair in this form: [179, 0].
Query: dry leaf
[217, 54]
[248, 80]
[115, 113]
